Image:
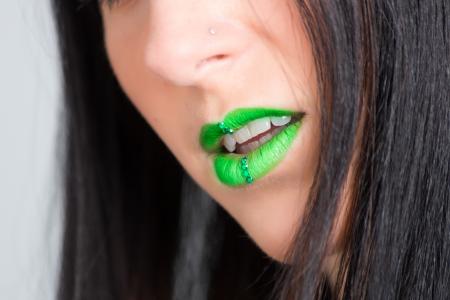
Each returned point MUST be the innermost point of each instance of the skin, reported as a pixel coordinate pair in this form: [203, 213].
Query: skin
[180, 77]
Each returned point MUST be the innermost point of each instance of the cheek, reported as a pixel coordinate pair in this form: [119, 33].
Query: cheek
[124, 49]
[165, 107]
[125, 43]
[156, 99]
[285, 34]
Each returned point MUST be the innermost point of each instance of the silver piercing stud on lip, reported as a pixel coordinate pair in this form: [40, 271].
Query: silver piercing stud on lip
[212, 30]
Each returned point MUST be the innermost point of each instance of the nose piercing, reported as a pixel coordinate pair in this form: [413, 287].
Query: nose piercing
[212, 30]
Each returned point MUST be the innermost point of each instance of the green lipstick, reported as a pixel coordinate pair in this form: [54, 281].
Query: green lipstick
[235, 169]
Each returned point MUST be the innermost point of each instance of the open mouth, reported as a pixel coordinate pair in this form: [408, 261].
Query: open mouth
[249, 142]
[256, 133]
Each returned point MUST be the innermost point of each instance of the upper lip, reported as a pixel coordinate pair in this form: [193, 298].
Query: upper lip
[211, 133]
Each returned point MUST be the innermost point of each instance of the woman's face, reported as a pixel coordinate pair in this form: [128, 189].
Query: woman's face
[187, 63]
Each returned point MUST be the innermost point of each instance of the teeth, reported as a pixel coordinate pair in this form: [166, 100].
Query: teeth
[249, 147]
[229, 142]
[252, 129]
[277, 130]
[280, 121]
[259, 126]
[242, 135]
[265, 138]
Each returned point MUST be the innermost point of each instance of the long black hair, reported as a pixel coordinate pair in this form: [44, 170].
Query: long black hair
[139, 228]
[385, 67]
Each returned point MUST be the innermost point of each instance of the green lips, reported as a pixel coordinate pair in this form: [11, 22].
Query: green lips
[235, 169]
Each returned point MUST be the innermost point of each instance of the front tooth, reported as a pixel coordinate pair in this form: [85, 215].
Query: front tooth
[280, 121]
[277, 130]
[265, 138]
[229, 142]
[253, 145]
[242, 135]
[259, 126]
[249, 147]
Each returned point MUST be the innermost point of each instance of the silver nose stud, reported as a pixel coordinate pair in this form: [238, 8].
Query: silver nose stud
[211, 31]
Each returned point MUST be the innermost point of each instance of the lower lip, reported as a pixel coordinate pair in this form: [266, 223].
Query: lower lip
[229, 166]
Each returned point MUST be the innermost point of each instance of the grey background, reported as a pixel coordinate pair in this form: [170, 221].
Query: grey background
[29, 181]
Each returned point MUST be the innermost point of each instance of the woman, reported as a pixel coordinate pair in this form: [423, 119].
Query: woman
[256, 149]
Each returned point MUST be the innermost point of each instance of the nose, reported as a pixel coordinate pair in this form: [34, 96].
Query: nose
[188, 45]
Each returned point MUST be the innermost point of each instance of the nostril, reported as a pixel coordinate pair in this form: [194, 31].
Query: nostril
[220, 56]
[211, 60]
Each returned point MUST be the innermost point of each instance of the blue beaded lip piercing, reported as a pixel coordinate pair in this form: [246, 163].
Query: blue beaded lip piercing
[244, 169]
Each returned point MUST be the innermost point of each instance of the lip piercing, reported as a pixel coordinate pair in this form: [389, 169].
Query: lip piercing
[244, 168]
[244, 160]
[225, 128]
